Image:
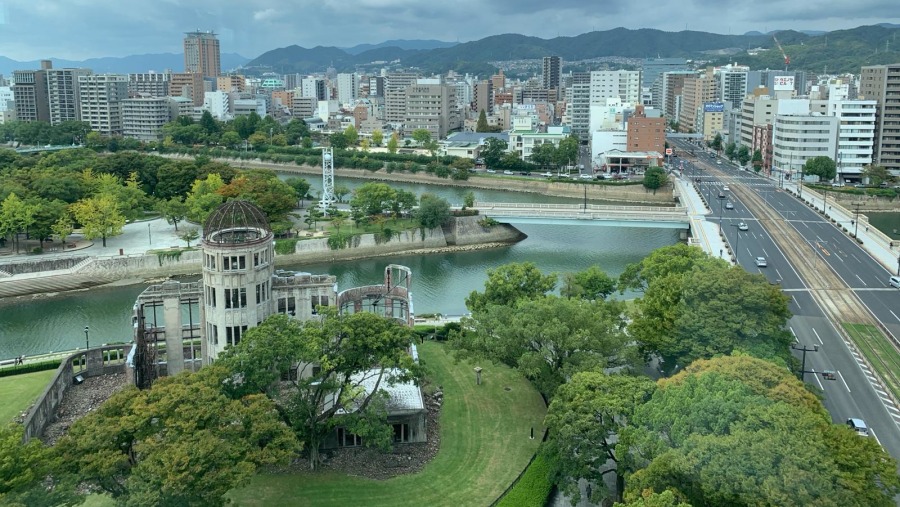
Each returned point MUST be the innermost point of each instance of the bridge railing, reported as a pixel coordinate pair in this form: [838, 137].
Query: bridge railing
[580, 207]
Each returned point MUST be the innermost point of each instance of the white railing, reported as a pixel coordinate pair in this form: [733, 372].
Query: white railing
[486, 206]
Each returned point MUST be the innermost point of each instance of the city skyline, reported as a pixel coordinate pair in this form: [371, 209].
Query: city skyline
[80, 29]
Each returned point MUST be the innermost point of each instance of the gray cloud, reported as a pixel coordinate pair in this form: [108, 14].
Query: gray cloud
[78, 29]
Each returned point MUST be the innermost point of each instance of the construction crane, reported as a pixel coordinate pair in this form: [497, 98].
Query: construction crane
[787, 59]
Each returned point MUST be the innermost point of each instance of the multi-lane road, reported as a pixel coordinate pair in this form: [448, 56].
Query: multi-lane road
[853, 393]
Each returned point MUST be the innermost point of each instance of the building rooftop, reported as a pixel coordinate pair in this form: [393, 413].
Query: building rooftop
[476, 137]
[403, 397]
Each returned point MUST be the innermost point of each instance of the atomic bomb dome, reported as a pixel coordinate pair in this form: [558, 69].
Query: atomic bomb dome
[236, 222]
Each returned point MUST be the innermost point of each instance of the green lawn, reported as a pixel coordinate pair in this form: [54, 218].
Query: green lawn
[484, 444]
[879, 352]
[18, 392]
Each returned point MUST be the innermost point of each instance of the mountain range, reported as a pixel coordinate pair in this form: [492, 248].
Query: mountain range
[122, 65]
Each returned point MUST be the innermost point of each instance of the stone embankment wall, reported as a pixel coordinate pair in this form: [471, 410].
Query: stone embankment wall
[462, 233]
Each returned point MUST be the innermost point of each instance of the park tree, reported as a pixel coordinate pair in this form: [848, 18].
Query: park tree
[30, 472]
[482, 124]
[433, 211]
[543, 155]
[757, 160]
[188, 235]
[877, 174]
[46, 214]
[649, 498]
[743, 155]
[493, 151]
[174, 210]
[204, 197]
[567, 151]
[403, 202]
[230, 139]
[591, 284]
[279, 140]
[364, 145]
[295, 130]
[584, 419]
[549, 338]
[823, 167]
[264, 189]
[654, 178]
[175, 178]
[393, 143]
[301, 187]
[15, 217]
[182, 442]
[670, 260]
[742, 431]
[373, 198]
[99, 217]
[333, 356]
[338, 141]
[469, 199]
[63, 227]
[258, 139]
[712, 309]
[352, 135]
[341, 191]
[210, 126]
[377, 137]
[509, 283]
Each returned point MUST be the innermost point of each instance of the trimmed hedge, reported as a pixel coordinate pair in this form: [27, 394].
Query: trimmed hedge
[9, 371]
[533, 488]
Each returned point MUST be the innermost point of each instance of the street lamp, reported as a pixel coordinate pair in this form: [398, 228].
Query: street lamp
[737, 244]
[804, 349]
[149, 235]
[87, 342]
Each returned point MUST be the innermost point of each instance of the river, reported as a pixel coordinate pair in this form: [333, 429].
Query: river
[440, 281]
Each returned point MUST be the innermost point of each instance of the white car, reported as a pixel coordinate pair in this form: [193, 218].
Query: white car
[507, 172]
[491, 171]
[586, 177]
[761, 262]
[725, 188]
[547, 175]
[743, 227]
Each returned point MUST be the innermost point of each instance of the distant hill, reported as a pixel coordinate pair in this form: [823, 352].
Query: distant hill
[402, 44]
[122, 65]
[835, 52]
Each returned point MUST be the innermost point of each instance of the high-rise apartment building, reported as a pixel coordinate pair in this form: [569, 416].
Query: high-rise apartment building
[732, 84]
[231, 83]
[484, 97]
[30, 93]
[431, 105]
[550, 71]
[101, 97]
[669, 92]
[697, 91]
[578, 107]
[347, 88]
[62, 94]
[798, 138]
[881, 83]
[624, 85]
[154, 84]
[313, 87]
[395, 85]
[201, 53]
[189, 85]
[143, 118]
[646, 134]
[652, 68]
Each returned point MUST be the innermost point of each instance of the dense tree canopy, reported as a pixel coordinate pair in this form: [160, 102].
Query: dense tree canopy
[433, 211]
[509, 283]
[823, 167]
[654, 178]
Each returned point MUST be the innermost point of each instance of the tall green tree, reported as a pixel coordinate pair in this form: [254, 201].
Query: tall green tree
[433, 211]
[338, 141]
[654, 178]
[743, 155]
[823, 167]
[731, 150]
[585, 417]
[757, 160]
[373, 198]
[591, 284]
[30, 472]
[509, 283]
[352, 135]
[493, 151]
[393, 143]
[877, 174]
[567, 151]
[300, 186]
[482, 124]
[99, 217]
[174, 210]
[15, 217]
[716, 143]
[334, 356]
[182, 442]
[204, 197]
[543, 155]
[264, 189]
[377, 137]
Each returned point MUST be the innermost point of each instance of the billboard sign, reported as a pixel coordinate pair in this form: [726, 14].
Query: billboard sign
[784, 83]
[668, 151]
[713, 107]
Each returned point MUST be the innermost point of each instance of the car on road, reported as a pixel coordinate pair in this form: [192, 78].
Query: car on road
[728, 205]
[719, 162]
[721, 195]
[743, 227]
[859, 426]
[895, 282]
[586, 177]
[725, 188]
[507, 172]
[761, 262]
[547, 175]
[491, 171]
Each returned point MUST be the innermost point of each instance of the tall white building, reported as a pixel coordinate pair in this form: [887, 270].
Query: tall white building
[101, 97]
[578, 104]
[622, 84]
[217, 105]
[313, 87]
[732, 84]
[143, 118]
[798, 138]
[856, 131]
[6, 98]
[347, 88]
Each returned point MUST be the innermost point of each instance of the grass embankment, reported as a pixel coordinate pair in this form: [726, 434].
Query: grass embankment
[880, 353]
[18, 392]
[485, 444]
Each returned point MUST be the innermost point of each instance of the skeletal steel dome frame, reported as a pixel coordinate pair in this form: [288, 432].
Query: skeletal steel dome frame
[236, 222]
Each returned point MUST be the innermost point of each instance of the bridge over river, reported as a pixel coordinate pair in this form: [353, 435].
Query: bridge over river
[670, 217]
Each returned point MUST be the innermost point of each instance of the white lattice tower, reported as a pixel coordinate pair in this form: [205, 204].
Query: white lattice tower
[328, 197]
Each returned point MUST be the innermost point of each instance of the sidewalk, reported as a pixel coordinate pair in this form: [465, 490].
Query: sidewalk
[707, 234]
[136, 239]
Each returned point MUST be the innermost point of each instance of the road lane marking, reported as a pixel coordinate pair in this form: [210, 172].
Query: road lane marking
[876, 437]
[815, 376]
[857, 260]
[894, 314]
[817, 336]
[795, 334]
[861, 280]
[778, 273]
[765, 252]
[844, 381]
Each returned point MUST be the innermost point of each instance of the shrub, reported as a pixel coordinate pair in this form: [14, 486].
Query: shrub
[285, 246]
[30, 368]
[533, 487]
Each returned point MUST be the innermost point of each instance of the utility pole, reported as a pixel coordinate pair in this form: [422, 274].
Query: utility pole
[856, 222]
[804, 349]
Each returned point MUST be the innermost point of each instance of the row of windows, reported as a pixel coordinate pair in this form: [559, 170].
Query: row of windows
[232, 334]
[236, 262]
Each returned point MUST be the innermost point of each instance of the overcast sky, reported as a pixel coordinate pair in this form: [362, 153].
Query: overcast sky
[79, 29]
